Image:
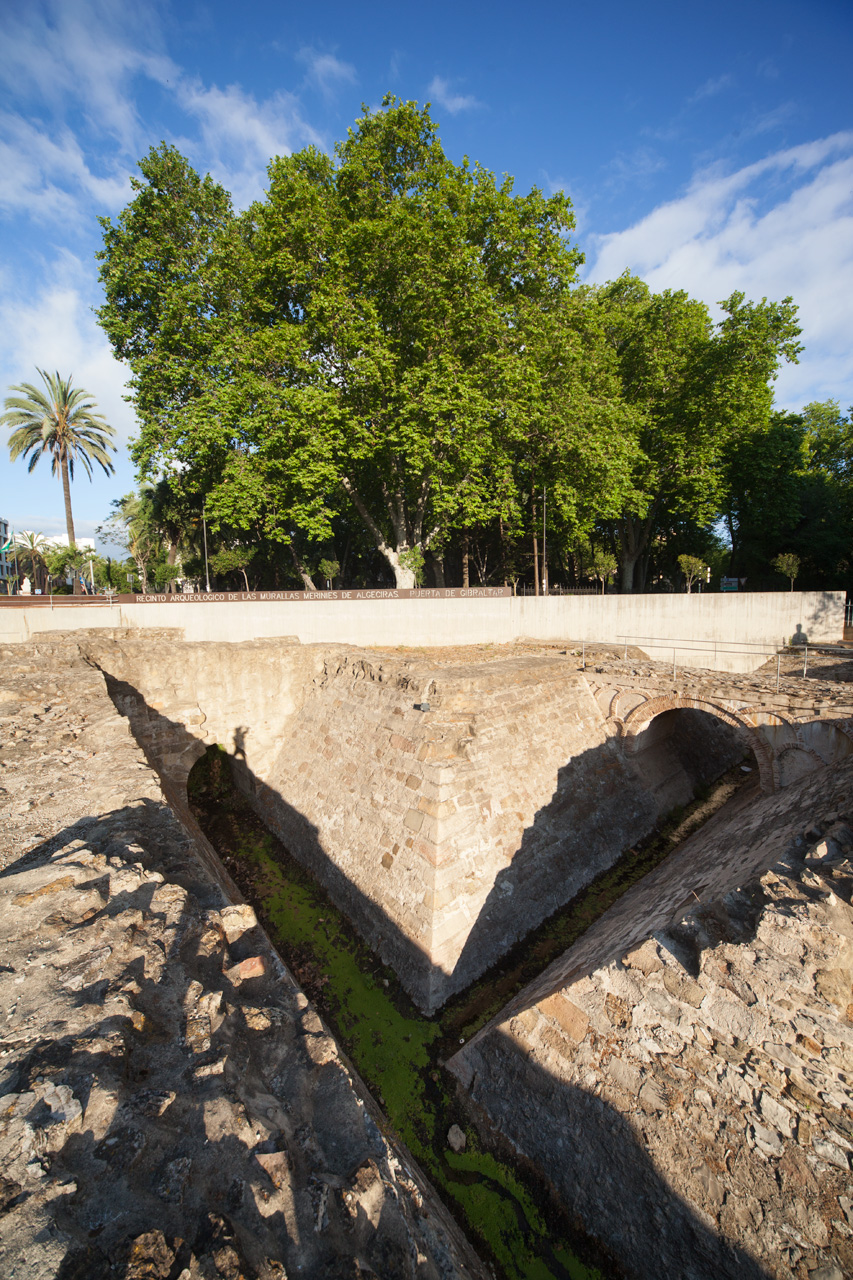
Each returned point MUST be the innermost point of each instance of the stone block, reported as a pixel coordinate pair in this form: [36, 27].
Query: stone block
[414, 819]
[645, 958]
[625, 1075]
[573, 1020]
[683, 987]
[237, 920]
[253, 967]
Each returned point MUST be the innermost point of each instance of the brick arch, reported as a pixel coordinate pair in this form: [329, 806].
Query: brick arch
[640, 717]
[787, 749]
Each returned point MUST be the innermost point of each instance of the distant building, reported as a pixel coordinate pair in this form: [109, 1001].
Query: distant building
[61, 540]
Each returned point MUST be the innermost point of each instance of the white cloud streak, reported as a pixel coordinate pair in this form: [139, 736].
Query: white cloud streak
[440, 91]
[711, 88]
[781, 226]
[239, 136]
[326, 72]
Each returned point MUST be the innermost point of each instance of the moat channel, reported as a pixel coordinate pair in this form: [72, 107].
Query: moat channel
[504, 1208]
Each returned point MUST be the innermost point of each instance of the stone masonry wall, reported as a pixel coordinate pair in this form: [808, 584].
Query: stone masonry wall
[688, 1095]
[170, 1102]
[446, 834]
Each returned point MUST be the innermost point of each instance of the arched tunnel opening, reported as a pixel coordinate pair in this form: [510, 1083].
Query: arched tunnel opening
[682, 751]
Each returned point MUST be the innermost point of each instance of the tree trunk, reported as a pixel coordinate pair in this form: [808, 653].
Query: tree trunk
[466, 574]
[66, 492]
[404, 577]
[437, 565]
[535, 548]
[644, 572]
[626, 572]
[301, 570]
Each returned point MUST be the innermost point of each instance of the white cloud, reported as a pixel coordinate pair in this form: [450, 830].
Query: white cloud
[239, 136]
[75, 134]
[711, 88]
[440, 91]
[633, 167]
[45, 174]
[49, 54]
[56, 330]
[326, 72]
[780, 226]
[767, 121]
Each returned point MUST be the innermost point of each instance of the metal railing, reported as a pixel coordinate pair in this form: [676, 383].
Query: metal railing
[719, 648]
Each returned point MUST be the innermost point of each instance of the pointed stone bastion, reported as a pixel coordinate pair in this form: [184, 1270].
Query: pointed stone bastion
[451, 805]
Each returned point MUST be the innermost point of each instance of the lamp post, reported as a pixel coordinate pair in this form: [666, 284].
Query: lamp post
[544, 544]
[204, 531]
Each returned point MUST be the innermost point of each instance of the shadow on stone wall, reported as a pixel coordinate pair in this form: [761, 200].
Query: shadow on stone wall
[600, 1172]
[196, 1121]
[606, 800]
[171, 750]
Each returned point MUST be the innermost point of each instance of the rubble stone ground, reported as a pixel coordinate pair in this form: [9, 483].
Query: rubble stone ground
[689, 1091]
[171, 1105]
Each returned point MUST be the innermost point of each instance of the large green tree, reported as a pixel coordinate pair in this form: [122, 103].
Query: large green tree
[789, 488]
[387, 333]
[690, 389]
[61, 423]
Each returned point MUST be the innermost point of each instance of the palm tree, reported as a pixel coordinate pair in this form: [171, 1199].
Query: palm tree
[61, 423]
[31, 549]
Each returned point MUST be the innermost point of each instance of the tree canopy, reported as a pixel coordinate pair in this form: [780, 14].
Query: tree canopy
[387, 361]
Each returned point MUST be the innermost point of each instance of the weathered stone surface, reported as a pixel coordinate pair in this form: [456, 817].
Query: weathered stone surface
[447, 835]
[456, 1139]
[149, 1125]
[707, 1132]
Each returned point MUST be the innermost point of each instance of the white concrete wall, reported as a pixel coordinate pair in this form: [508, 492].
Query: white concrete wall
[701, 628]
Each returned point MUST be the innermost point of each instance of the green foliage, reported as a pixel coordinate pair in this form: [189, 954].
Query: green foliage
[790, 482]
[231, 560]
[693, 568]
[163, 293]
[387, 333]
[390, 353]
[414, 561]
[789, 565]
[30, 551]
[602, 565]
[693, 388]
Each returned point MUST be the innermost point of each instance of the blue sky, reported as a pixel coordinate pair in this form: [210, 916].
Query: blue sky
[707, 147]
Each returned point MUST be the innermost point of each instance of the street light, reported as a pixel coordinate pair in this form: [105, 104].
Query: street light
[204, 531]
[544, 544]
